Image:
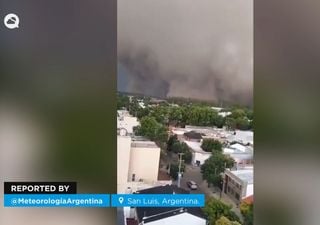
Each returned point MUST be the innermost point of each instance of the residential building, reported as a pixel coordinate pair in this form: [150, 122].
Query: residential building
[199, 156]
[166, 215]
[243, 155]
[241, 136]
[238, 184]
[192, 136]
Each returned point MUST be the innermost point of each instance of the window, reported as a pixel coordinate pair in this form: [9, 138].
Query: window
[133, 177]
[237, 196]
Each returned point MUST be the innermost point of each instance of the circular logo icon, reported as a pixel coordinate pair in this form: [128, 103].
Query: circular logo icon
[11, 21]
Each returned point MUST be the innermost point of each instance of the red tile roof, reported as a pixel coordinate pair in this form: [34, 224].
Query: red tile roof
[248, 200]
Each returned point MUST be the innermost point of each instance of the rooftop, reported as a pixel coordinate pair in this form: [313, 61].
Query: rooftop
[196, 147]
[193, 135]
[143, 144]
[244, 174]
[148, 214]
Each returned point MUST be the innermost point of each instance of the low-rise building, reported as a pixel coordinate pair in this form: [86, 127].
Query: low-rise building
[144, 161]
[192, 136]
[126, 121]
[165, 215]
[243, 155]
[137, 163]
[199, 156]
[238, 184]
[241, 136]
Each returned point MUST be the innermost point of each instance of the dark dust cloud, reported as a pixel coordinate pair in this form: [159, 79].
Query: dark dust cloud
[186, 48]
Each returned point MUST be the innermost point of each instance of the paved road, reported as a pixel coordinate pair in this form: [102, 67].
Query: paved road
[194, 173]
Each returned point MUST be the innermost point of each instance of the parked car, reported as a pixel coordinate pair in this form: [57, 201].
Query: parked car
[192, 185]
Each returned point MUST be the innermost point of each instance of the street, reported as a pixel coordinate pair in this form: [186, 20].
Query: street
[194, 173]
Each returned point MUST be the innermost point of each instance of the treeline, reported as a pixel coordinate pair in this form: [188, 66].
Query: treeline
[188, 114]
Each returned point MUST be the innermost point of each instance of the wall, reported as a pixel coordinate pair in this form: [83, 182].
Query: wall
[144, 163]
[123, 160]
[202, 157]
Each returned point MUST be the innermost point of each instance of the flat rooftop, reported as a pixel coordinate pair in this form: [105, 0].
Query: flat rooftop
[143, 144]
[245, 175]
[196, 147]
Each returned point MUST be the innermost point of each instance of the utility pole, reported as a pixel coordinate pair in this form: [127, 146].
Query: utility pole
[179, 174]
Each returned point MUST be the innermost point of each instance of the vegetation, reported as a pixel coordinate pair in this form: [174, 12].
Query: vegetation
[175, 146]
[191, 113]
[174, 170]
[211, 145]
[225, 221]
[213, 167]
[215, 209]
[123, 101]
[172, 139]
[152, 129]
[247, 213]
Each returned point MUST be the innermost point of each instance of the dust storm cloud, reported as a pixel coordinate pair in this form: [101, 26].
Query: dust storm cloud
[185, 48]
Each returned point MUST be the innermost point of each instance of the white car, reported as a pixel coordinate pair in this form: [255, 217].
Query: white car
[192, 185]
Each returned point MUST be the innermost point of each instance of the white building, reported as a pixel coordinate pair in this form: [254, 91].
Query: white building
[126, 121]
[242, 158]
[241, 136]
[238, 184]
[198, 155]
[224, 114]
[123, 162]
[137, 164]
[144, 161]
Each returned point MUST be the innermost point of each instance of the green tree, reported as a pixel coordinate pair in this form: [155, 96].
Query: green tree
[213, 167]
[225, 221]
[176, 115]
[161, 114]
[247, 213]
[181, 147]
[152, 129]
[210, 145]
[220, 121]
[187, 157]
[230, 123]
[174, 170]
[142, 112]
[201, 116]
[172, 139]
[238, 113]
[123, 101]
[214, 209]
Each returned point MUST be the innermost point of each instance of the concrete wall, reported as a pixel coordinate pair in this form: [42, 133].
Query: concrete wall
[123, 161]
[144, 163]
[202, 157]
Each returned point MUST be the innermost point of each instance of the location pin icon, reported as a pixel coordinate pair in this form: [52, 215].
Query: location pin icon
[121, 200]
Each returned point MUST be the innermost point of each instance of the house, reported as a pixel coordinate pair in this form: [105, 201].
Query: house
[170, 215]
[192, 136]
[199, 156]
[243, 155]
[238, 184]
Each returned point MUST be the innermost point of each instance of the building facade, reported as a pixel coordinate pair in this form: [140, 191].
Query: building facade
[238, 184]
